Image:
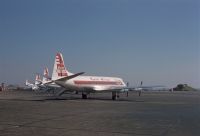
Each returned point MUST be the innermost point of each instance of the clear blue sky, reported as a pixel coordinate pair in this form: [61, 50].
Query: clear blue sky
[156, 41]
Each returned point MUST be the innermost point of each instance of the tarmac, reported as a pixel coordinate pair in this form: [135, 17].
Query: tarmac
[24, 113]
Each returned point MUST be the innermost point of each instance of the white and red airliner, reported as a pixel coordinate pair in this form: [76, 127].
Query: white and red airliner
[85, 84]
[34, 86]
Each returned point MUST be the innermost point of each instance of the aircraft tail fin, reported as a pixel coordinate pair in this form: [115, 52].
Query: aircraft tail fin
[27, 83]
[59, 69]
[45, 75]
[38, 79]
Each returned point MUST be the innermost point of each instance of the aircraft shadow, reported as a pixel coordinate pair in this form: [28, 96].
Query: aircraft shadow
[92, 99]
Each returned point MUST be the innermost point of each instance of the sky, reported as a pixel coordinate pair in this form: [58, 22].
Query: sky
[154, 41]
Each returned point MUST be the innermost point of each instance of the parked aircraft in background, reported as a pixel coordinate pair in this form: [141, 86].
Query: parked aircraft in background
[47, 82]
[34, 86]
[46, 77]
[39, 84]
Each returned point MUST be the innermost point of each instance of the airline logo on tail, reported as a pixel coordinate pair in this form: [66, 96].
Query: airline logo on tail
[46, 72]
[46, 75]
[61, 70]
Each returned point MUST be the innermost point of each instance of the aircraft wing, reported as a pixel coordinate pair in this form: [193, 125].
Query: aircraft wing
[139, 88]
[127, 89]
[110, 89]
[117, 89]
[65, 78]
[69, 77]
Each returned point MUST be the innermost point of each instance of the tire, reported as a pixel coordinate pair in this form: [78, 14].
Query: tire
[84, 96]
[114, 97]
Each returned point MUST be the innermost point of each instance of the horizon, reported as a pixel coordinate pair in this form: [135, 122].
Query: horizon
[156, 42]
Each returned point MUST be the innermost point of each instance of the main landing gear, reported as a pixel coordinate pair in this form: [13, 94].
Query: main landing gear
[84, 96]
[115, 95]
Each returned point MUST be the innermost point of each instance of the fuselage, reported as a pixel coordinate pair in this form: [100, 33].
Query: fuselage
[95, 83]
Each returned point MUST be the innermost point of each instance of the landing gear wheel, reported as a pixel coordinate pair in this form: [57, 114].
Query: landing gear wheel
[114, 97]
[84, 96]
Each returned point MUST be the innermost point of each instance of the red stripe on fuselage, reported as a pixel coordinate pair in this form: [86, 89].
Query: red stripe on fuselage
[81, 82]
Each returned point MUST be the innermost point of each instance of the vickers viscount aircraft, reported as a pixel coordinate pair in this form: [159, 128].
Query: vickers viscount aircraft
[85, 84]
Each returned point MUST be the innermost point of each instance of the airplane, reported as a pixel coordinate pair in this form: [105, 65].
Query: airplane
[39, 84]
[38, 80]
[35, 85]
[47, 82]
[32, 86]
[85, 84]
[46, 78]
